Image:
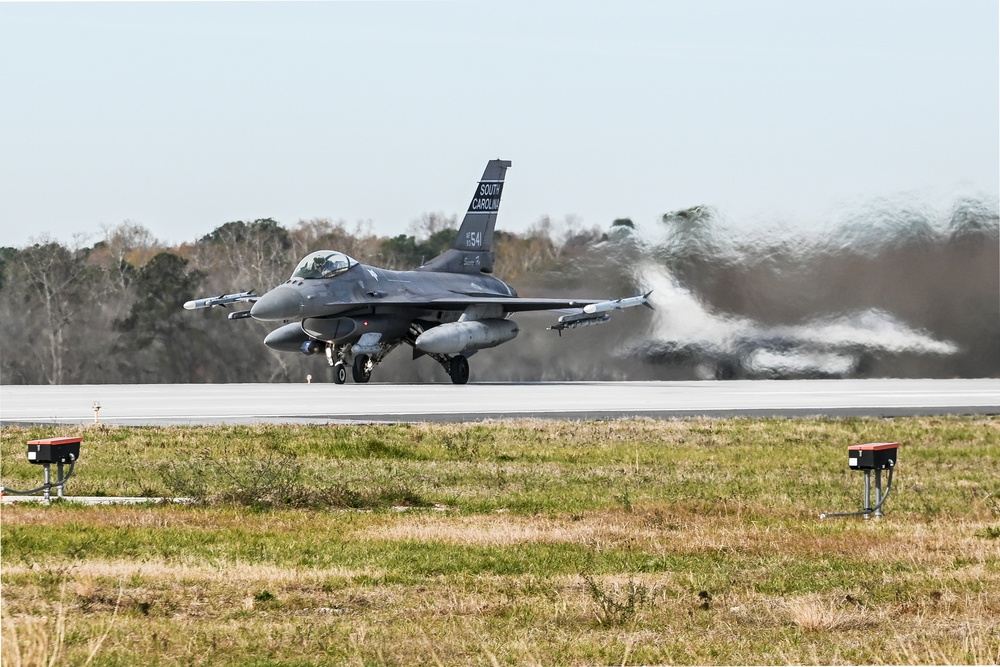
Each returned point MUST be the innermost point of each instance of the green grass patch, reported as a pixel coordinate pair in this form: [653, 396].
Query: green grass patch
[627, 542]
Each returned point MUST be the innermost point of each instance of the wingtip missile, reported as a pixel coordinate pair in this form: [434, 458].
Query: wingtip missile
[598, 313]
[198, 303]
[221, 300]
[618, 304]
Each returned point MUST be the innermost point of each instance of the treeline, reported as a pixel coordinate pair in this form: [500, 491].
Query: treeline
[111, 312]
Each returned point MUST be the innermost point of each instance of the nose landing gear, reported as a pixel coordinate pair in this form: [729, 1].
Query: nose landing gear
[340, 357]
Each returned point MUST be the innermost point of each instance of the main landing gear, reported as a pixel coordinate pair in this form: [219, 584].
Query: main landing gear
[340, 358]
[458, 369]
[361, 371]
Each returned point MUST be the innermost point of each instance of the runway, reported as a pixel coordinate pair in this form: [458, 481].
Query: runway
[137, 405]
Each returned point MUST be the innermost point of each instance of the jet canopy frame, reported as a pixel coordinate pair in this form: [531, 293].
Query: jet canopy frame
[323, 264]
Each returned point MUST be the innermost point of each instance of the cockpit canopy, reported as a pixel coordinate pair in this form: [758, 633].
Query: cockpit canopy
[323, 264]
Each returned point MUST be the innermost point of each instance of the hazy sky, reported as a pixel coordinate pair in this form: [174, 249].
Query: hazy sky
[182, 116]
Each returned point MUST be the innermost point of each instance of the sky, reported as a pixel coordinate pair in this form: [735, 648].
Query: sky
[182, 116]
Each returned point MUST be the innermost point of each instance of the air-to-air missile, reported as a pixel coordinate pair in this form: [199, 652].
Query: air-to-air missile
[619, 304]
[221, 300]
[597, 313]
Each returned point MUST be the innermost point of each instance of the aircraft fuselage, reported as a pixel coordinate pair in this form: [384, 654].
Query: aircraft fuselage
[364, 288]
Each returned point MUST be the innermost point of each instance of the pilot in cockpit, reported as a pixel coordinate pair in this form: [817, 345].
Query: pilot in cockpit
[323, 264]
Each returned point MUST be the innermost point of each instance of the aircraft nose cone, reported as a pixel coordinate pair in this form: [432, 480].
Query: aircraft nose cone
[281, 303]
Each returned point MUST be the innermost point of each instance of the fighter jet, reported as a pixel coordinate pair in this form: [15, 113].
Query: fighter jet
[448, 309]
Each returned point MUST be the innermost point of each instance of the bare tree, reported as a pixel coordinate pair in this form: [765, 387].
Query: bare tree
[125, 248]
[49, 285]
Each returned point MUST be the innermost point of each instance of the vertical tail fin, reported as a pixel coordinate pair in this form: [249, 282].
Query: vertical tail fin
[472, 250]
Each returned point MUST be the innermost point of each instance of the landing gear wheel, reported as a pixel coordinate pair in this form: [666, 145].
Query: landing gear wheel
[362, 370]
[339, 373]
[459, 370]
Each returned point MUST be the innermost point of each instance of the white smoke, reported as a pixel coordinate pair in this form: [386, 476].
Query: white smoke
[830, 346]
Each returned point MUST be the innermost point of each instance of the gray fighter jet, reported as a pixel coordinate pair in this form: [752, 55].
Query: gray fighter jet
[448, 309]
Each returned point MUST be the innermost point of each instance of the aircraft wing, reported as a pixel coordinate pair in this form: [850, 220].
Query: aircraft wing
[581, 312]
[511, 304]
[516, 304]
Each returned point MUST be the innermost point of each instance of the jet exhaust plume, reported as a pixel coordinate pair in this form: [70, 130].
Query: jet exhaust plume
[888, 289]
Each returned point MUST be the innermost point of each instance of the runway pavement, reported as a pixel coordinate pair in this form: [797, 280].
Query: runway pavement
[322, 403]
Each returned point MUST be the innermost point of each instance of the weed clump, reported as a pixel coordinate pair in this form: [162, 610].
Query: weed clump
[616, 605]
[249, 476]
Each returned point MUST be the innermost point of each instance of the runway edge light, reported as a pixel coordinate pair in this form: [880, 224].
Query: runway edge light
[871, 457]
[46, 452]
[54, 450]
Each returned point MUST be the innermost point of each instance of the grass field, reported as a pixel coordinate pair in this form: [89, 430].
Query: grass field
[518, 542]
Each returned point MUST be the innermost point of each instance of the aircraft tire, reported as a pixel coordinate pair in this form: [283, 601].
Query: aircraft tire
[459, 370]
[339, 374]
[360, 371]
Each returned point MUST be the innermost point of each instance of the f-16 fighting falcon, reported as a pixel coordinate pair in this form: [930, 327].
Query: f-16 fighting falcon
[448, 309]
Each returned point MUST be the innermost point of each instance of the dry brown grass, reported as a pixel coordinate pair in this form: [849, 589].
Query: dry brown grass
[922, 545]
[502, 529]
[816, 613]
[733, 568]
[454, 616]
[34, 641]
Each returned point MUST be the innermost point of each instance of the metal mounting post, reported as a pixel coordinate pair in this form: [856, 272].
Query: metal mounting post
[873, 457]
[878, 494]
